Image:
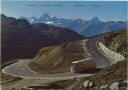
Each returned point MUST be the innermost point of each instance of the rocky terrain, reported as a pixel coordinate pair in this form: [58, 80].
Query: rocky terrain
[107, 76]
[20, 39]
[111, 78]
[117, 41]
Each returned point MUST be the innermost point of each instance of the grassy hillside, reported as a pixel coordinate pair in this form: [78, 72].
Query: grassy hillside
[56, 59]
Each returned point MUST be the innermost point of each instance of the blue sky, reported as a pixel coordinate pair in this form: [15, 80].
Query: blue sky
[105, 10]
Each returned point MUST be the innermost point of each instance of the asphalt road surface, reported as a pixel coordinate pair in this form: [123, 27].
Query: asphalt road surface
[21, 69]
[93, 50]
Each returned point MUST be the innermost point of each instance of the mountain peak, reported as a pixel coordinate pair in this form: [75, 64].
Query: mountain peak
[22, 17]
[33, 19]
[95, 20]
[3, 16]
[45, 16]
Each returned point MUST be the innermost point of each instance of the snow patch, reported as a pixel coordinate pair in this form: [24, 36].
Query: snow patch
[49, 22]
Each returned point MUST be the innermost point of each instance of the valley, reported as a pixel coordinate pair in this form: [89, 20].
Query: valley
[87, 46]
[19, 35]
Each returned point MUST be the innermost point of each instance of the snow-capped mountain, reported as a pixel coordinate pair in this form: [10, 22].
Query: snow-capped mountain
[87, 28]
[33, 19]
[95, 20]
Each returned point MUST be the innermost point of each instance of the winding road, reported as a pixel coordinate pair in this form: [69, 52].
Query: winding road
[21, 69]
[96, 53]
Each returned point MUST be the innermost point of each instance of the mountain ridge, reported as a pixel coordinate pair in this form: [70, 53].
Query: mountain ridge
[84, 27]
[19, 35]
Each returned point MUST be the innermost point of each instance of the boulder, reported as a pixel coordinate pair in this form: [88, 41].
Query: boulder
[86, 83]
[122, 85]
[91, 84]
[105, 87]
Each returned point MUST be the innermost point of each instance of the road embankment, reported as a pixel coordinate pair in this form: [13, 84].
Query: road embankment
[113, 56]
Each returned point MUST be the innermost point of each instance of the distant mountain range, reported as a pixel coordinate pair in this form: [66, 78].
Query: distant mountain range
[86, 28]
[20, 39]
